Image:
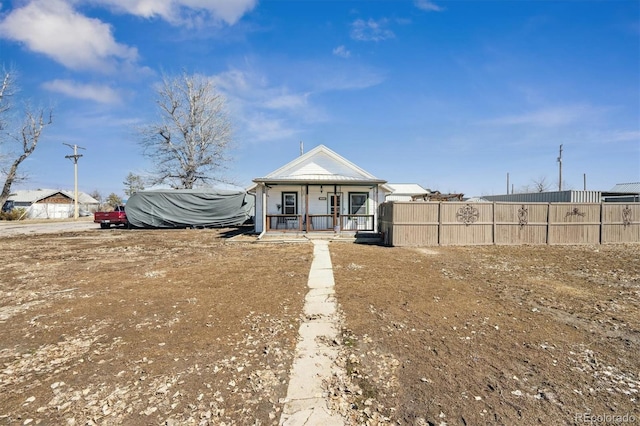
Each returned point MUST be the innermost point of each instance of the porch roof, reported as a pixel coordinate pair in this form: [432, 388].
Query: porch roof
[320, 166]
[320, 180]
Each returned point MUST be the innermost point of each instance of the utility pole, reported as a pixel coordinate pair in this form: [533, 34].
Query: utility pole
[560, 169]
[75, 158]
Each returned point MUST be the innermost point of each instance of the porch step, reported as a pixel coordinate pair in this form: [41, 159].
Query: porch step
[360, 238]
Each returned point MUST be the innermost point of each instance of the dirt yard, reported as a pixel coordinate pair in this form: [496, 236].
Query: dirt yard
[491, 334]
[147, 327]
[189, 327]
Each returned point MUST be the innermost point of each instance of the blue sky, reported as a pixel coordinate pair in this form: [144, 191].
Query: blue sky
[452, 95]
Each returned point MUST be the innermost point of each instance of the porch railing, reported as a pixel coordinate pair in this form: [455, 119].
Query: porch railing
[357, 222]
[284, 222]
[319, 222]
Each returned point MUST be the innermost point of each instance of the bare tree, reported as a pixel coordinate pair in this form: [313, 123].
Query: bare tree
[26, 136]
[541, 184]
[7, 91]
[98, 197]
[190, 142]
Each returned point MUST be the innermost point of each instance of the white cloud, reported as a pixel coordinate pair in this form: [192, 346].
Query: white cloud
[427, 5]
[287, 101]
[330, 77]
[371, 30]
[254, 89]
[267, 112]
[623, 136]
[184, 12]
[275, 111]
[548, 117]
[342, 52]
[99, 93]
[265, 128]
[53, 28]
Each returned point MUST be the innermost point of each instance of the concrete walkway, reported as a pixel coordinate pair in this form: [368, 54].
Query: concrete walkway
[316, 352]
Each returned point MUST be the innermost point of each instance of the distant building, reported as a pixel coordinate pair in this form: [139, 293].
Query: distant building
[405, 191]
[50, 203]
[569, 196]
[623, 193]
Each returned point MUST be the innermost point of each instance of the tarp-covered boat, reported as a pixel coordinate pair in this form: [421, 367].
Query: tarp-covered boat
[183, 208]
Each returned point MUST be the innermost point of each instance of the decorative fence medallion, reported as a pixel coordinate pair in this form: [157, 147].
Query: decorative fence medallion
[575, 212]
[626, 216]
[523, 216]
[467, 215]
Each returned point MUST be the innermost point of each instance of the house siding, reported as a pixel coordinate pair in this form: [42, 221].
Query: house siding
[316, 201]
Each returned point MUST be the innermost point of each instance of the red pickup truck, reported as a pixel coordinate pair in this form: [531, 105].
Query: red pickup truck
[116, 217]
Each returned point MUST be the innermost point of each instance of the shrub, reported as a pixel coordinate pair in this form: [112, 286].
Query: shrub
[14, 214]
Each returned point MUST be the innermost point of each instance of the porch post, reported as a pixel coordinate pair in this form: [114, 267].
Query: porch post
[306, 209]
[265, 224]
[375, 208]
[335, 209]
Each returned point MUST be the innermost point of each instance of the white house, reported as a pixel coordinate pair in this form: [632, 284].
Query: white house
[50, 203]
[318, 191]
[405, 191]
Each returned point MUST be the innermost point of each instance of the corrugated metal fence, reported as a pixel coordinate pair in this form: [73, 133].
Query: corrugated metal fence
[454, 223]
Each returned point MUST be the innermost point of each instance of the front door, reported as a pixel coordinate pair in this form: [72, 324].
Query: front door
[335, 201]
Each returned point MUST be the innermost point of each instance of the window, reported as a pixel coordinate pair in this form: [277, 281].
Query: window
[358, 202]
[290, 203]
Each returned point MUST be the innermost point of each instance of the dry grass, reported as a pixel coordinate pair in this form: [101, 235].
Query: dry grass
[183, 327]
[493, 335]
[145, 327]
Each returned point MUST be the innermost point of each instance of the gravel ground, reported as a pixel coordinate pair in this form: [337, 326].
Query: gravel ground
[490, 335]
[174, 327]
[147, 327]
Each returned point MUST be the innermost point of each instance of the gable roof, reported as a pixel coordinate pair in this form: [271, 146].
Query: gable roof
[407, 189]
[633, 187]
[320, 166]
[33, 196]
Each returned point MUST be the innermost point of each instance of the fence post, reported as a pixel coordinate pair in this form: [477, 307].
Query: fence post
[493, 236]
[601, 221]
[440, 223]
[548, 222]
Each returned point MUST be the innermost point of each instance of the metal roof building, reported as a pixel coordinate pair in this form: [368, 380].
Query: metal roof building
[404, 191]
[24, 198]
[627, 187]
[623, 193]
[569, 196]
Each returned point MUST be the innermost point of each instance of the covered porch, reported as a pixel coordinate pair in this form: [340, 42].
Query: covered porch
[318, 192]
[318, 207]
[319, 222]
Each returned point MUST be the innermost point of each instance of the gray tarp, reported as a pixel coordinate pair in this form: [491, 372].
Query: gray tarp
[179, 208]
